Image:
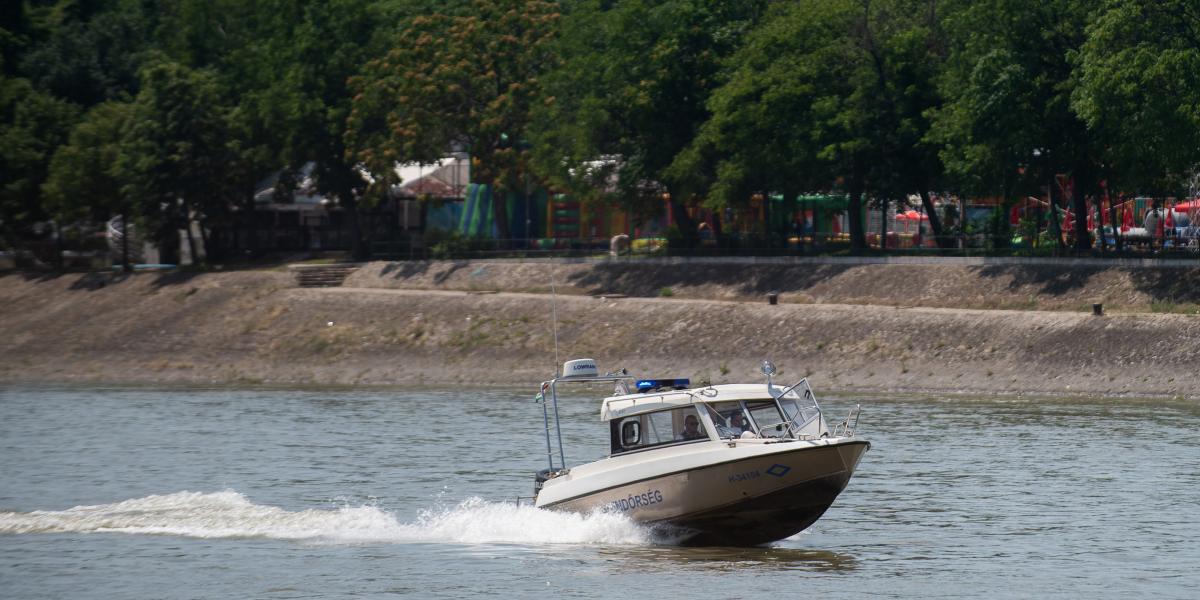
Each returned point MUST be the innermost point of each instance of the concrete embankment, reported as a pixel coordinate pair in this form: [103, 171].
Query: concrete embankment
[849, 326]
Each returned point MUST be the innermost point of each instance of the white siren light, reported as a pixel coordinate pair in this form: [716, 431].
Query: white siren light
[583, 367]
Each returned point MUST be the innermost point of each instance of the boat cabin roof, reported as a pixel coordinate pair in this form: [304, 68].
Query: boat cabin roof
[631, 404]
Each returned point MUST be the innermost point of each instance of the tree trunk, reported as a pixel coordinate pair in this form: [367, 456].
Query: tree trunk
[935, 222]
[1103, 243]
[1112, 219]
[883, 208]
[1083, 240]
[168, 241]
[790, 203]
[858, 239]
[500, 215]
[687, 227]
[1001, 232]
[424, 216]
[125, 266]
[59, 262]
[205, 241]
[768, 231]
[358, 249]
[1054, 222]
[187, 227]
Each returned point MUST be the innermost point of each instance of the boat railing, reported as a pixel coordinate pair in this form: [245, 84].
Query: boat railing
[847, 426]
[550, 420]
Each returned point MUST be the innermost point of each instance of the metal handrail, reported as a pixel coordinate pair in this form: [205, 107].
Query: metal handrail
[845, 427]
[553, 387]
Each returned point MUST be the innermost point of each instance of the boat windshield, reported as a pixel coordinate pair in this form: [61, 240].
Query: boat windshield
[768, 419]
[731, 419]
[801, 407]
[795, 415]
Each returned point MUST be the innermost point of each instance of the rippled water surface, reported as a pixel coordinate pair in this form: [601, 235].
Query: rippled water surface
[186, 493]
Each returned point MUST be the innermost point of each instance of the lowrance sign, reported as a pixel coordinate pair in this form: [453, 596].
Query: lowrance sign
[583, 367]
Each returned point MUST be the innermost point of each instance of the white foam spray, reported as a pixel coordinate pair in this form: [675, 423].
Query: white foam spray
[229, 514]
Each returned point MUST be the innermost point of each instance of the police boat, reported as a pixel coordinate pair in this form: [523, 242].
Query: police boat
[729, 465]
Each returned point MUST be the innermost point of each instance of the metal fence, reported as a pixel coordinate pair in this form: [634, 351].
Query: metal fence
[453, 247]
[235, 243]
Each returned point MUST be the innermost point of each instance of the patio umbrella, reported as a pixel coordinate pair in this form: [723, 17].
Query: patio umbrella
[1170, 221]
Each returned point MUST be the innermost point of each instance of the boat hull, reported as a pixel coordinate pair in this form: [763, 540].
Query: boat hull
[744, 501]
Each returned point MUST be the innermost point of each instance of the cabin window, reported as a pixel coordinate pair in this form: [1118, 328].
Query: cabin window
[730, 418]
[631, 433]
[658, 428]
[768, 419]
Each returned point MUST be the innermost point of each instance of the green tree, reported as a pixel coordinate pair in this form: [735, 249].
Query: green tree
[16, 29]
[284, 66]
[1008, 126]
[827, 89]
[83, 181]
[32, 125]
[456, 82]
[1139, 76]
[762, 135]
[632, 93]
[89, 52]
[177, 151]
[900, 57]
[325, 49]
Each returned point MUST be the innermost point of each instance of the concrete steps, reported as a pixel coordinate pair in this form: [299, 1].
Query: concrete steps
[323, 275]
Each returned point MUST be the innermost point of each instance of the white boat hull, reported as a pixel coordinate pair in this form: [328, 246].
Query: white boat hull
[758, 494]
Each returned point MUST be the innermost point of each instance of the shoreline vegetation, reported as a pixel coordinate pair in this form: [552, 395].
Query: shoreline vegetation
[938, 327]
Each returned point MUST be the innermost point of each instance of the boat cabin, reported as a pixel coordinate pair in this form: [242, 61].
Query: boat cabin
[721, 412]
[655, 413]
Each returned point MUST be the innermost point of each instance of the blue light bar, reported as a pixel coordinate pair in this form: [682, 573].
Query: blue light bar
[645, 385]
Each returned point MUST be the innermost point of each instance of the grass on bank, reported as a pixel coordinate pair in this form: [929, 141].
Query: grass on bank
[1175, 308]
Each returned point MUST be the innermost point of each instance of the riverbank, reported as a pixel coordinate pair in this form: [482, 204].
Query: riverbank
[1011, 329]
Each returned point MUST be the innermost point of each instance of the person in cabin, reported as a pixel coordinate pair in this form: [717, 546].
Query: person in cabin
[691, 429]
[737, 423]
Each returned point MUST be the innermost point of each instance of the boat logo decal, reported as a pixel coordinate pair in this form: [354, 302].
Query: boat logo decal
[748, 475]
[778, 470]
[637, 500]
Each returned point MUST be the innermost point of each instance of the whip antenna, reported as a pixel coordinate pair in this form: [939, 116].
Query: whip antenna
[554, 318]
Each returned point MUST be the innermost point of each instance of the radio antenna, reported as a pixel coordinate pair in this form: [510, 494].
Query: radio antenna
[554, 318]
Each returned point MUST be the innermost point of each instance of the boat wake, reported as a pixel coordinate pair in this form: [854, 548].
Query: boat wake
[229, 514]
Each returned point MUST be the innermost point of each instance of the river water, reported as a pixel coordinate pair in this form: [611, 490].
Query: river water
[223, 493]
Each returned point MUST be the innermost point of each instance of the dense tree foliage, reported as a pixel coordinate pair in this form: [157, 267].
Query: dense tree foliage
[33, 124]
[173, 110]
[825, 90]
[632, 93]
[177, 149]
[83, 181]
[1139, 90]
[457, 82]
[1008, 127]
